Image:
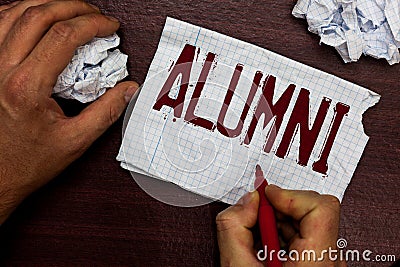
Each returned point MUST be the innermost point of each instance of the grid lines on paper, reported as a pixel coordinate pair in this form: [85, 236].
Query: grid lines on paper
[215, 166]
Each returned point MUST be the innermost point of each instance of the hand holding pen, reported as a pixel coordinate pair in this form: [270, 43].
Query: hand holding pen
[305, 220]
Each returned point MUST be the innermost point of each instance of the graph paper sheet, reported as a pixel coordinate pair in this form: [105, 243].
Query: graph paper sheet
[174, 136]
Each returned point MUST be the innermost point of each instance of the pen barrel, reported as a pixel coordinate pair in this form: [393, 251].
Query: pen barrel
[269, 235]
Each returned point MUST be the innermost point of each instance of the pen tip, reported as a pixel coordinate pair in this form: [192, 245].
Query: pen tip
[260, 183]
[258, 168]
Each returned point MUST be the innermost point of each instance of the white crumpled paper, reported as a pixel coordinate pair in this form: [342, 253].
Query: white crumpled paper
[370, 27]
[94, 68]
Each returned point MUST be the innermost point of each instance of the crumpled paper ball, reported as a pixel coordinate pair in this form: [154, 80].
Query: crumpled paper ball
[95, 67]
[355, 27]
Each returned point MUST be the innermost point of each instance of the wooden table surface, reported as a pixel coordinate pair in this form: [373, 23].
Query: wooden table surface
[95, 214]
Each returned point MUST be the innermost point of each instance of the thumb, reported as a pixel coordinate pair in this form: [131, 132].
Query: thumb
[94, 120]
[294, 203]
[235, 239]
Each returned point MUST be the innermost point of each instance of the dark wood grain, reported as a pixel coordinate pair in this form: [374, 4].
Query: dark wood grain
[95, 214]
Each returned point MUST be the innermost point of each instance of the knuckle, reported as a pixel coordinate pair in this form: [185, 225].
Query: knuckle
[221, 220]
[32, 14]
[329, 210]
[17, 81]
[13, 99]
[5, 15]
[332, 202]
[92, 19]
[221, 217]
[225, 220]
[92, 22]
[313, 193]
[64, 31]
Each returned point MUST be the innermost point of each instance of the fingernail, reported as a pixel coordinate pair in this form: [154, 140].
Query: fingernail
[112, 19]
[246, 199]
[129, 93]
[272, 187]
[95, 7]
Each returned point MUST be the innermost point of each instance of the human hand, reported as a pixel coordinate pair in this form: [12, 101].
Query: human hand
[306, 220]
[37, 141]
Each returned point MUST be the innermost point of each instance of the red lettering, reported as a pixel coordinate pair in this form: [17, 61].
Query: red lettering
[321, 165]
[182, 67]
[228, 98]
[300, 117]
[270, 111]
[190, 116]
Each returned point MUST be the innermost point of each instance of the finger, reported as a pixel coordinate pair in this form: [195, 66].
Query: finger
[32, 25]
[8, 6]
[287, 230]
[322, 223]
[318, 214]
[93, 121]
[235, 239]
[295, 204]
[231, 218]
[59, 44]
[9, 16]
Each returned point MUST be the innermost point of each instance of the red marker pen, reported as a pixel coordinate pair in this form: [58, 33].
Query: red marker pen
[267, 224]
